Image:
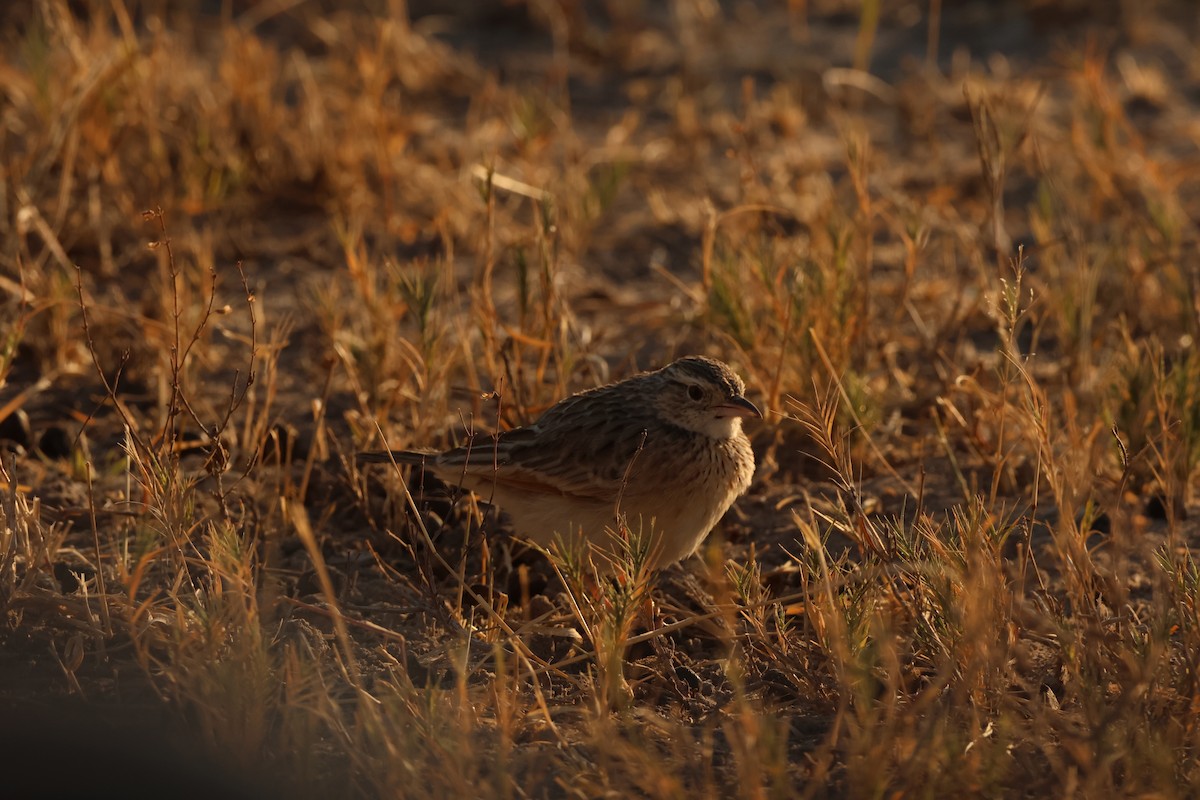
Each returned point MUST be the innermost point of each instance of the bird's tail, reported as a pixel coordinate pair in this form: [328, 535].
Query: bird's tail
[394, 456]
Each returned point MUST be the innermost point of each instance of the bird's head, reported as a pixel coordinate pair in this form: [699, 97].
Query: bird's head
[705, 396]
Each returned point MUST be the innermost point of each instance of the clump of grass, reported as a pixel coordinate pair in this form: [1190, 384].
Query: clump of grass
[28, 546]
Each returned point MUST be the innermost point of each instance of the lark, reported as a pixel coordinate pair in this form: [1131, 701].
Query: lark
[659, 455]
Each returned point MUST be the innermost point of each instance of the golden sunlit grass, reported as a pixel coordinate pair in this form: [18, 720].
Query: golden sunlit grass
[969, 296]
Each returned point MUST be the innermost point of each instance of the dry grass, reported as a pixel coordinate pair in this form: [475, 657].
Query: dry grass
[968, 288]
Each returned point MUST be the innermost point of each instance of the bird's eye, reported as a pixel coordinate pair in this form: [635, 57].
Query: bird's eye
[696, 393]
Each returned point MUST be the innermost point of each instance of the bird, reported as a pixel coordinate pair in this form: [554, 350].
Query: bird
[661, 454]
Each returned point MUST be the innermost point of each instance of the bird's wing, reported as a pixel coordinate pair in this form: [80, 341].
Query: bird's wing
[568, 451]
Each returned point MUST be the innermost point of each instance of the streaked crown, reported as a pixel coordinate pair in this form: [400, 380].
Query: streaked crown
[701, 369]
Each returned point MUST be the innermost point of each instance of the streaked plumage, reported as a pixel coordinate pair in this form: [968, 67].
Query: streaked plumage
[665, 449]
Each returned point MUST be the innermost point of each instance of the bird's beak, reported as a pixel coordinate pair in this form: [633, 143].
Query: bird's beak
[738, 406]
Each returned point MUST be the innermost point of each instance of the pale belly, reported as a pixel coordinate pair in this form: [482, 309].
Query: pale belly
[677, 521]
